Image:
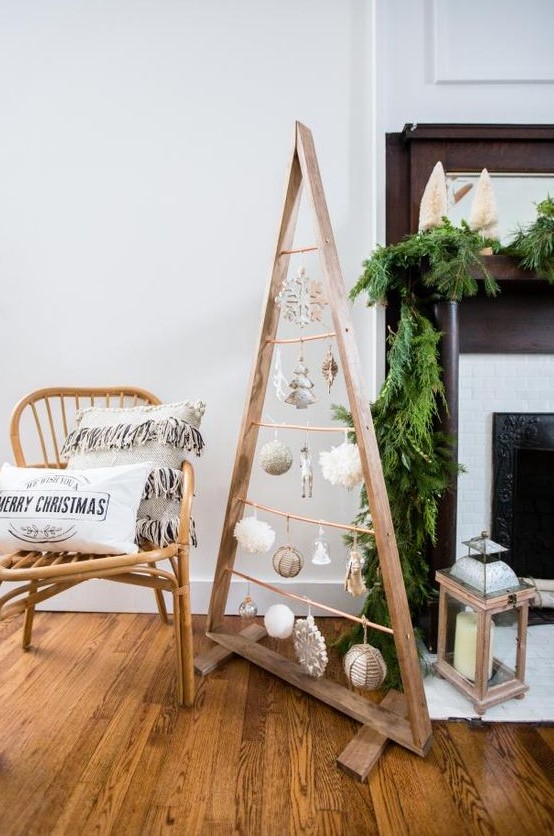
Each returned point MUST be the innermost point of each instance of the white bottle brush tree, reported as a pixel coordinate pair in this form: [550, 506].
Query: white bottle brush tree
[483, 216]
[433, 206]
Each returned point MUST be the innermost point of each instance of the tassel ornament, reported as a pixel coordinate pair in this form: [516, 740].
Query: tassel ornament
[354, 582]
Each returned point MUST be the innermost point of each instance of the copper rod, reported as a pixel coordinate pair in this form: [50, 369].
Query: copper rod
[287, 514]
[328, 335]
[305, 427]
[305, 600]
[301, 250]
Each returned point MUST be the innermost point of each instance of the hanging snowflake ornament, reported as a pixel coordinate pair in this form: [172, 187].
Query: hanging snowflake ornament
[310, 647]
[342, 465]
[318, 300]
[301, 299]
[255, 536]
[329, 368]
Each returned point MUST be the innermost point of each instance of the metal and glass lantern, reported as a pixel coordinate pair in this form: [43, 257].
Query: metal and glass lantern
[483, 612]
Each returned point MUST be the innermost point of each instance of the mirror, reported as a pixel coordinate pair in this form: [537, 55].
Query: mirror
[516, 198]
[519, 158]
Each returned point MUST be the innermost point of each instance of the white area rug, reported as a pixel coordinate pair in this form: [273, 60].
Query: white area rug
[445, 701]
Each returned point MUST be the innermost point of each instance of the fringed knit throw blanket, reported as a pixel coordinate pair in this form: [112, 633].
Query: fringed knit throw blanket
[165, 442]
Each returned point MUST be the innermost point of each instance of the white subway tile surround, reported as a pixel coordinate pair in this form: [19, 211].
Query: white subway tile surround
[492, 383]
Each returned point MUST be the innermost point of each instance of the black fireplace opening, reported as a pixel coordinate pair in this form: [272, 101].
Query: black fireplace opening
[533, 520]
[523, 491]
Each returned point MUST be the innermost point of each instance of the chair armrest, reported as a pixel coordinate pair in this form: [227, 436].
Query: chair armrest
[186, 503]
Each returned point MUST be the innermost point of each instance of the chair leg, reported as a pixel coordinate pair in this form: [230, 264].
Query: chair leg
[182, 618]
[162, 609]
[29, 618]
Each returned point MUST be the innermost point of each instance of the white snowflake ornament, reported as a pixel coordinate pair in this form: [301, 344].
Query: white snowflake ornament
[310, 647]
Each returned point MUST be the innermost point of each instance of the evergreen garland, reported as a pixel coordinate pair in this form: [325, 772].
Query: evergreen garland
[533, 245]
[440, 263]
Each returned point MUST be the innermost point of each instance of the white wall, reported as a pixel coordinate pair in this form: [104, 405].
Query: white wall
[480, 61]
[143, 153]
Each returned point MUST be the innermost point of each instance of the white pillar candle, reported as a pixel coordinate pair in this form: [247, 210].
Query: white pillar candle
[465, 644]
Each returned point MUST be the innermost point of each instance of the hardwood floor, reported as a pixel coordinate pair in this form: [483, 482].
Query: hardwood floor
[91, 742]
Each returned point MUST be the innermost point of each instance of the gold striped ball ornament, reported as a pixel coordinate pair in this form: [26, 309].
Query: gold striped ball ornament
[288, 561]
[365, 667]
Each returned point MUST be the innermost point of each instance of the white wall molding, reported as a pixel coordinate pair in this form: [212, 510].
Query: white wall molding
[491, 43]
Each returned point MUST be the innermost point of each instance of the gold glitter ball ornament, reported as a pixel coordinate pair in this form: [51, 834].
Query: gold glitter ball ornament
[275, 457]
[365, 667]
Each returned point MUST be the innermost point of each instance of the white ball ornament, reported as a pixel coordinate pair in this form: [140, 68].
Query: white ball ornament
[342, 465]
[279, 621]
[275, 457]
[255, 536]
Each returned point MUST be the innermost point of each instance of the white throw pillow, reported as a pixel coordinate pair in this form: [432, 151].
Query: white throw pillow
[71, 510]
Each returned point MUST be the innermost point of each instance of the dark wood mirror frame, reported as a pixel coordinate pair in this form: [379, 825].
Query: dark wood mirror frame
[411, 155]
[521, 318]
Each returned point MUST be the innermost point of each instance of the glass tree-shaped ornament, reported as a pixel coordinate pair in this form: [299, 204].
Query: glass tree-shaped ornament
[483, 611]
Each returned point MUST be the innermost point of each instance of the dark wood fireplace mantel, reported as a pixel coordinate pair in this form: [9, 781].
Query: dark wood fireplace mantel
[519, 320]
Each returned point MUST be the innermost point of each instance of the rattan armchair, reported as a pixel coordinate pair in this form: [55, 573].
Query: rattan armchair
[40, 422]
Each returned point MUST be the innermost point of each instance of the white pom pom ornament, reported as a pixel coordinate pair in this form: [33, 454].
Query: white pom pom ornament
[279, 621]
[342, 465]
[255, 536]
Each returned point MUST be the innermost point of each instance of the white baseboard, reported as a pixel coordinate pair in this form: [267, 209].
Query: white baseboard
[100, 596]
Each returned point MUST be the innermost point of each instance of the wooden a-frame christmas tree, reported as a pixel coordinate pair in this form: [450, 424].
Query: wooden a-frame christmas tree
[402, 718]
